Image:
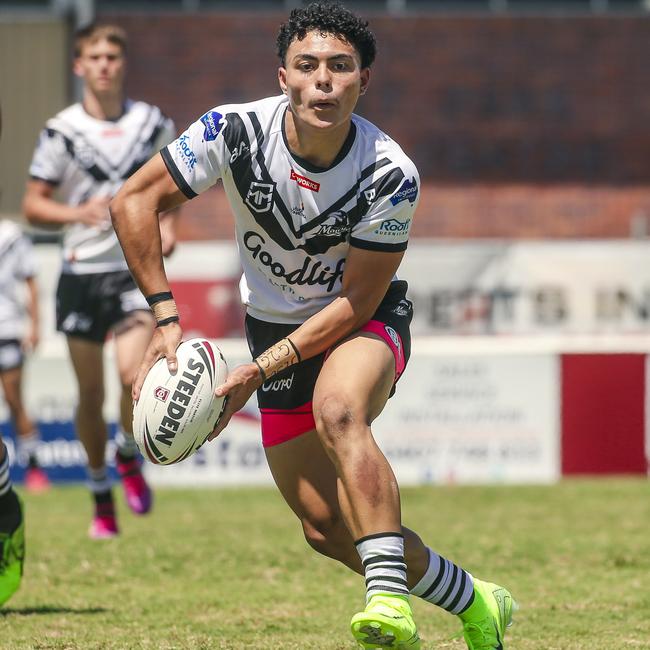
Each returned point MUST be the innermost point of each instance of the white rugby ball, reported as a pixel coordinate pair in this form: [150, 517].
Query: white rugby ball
[176, 413]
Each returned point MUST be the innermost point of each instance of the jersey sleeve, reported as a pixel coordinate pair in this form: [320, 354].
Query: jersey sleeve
[391, 201]
[50, 157]
[25, 258]
[196, 158]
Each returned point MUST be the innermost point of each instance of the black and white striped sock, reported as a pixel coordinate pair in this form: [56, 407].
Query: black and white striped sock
[382, 555]
[446, 585]
[126, 444]
[98, 480]
[5, 481]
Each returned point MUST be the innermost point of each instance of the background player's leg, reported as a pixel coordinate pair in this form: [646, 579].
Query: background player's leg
[88, 363]
[27, 436]
[132, 335]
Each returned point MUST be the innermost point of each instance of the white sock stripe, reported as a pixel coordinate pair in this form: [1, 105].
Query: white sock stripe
[382, 557]
[4, 465]
[445, 584]
[29, 444]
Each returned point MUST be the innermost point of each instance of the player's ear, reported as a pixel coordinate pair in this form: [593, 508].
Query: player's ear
[282, 79]
[365, 80]
[76, 67]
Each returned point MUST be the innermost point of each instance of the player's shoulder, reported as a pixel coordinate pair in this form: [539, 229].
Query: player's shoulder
[264, 109]
[67, 120]
[10, 232]
[378, 145]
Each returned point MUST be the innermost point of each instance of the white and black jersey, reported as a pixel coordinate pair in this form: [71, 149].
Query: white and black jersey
[295, 222]
[85, 157]
[17, 264]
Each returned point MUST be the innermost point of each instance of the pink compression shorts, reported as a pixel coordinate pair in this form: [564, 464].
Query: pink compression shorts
[281, 425]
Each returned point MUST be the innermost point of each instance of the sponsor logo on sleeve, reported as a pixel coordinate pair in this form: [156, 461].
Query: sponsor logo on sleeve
[393, 227]
[408, 191]
[185, 152]
[212, 122]
[305, 182]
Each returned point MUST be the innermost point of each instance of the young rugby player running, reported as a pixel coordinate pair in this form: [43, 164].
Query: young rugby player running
[85, 153]
[323, 202]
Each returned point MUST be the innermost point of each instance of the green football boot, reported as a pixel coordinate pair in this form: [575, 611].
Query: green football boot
[387, 622]
[486, 619]
[12, 556]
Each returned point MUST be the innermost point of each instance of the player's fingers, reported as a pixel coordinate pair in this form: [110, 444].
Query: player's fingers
[222, 423]
[150, 357]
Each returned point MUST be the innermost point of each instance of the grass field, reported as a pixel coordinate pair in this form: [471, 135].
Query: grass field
[228, 569]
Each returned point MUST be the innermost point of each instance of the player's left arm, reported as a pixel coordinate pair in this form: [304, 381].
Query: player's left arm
[366, 278]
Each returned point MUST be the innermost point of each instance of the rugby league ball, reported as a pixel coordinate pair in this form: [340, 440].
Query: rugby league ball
[176, 413]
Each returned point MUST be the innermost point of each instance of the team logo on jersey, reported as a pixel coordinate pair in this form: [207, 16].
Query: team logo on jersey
[408, 191]
[403, 308]
[260, 196]
[305, 182]
[84, 154]
[393, 227]
[212, 122]
[370, 194]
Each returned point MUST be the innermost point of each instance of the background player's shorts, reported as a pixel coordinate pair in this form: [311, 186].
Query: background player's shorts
[285, 400]
[88, 306]
[11, 354]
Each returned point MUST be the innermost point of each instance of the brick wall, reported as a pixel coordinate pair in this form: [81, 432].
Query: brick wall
[520, 126]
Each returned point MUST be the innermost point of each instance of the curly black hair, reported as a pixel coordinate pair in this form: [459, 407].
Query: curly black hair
[328, 18]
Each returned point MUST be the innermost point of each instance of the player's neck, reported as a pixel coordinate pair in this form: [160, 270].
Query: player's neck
[103, 107]
[318, 147]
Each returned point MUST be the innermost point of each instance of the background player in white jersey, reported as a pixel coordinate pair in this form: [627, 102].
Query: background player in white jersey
[323, 202]
[85, 153]
[12, 528]
[19, 334]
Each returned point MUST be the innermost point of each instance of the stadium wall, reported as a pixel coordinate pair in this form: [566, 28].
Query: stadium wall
[521, 126]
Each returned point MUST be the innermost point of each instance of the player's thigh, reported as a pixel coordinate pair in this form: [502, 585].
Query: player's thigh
[306, 479]
[357, 377]
[132, 336]
[88, 363]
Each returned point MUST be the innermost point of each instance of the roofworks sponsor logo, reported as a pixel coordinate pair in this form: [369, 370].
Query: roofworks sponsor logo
[185, 151]
[305, 182]
[393, 227]
[408, 191]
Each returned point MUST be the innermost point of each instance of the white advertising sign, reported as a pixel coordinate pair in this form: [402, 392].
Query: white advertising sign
[474, 419]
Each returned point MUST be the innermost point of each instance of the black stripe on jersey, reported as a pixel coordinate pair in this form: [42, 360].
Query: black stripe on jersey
[98, 174]
[376, 246]
[236, 138]
[261, 161]
[384, 186]
[181, 183]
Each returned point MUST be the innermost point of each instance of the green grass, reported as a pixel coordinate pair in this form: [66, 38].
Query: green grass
[229, 569]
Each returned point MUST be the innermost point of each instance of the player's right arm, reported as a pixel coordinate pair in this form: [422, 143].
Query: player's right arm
[135, 212]
[41, 208]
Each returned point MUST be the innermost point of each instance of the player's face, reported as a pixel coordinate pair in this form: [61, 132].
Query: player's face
[101, 65]
[323, 79]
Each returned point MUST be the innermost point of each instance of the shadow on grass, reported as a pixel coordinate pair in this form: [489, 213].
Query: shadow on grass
[50, 609]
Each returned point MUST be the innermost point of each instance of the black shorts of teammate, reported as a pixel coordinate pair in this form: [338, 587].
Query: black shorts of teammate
[285, 400]
[11, 354]
[88, 306]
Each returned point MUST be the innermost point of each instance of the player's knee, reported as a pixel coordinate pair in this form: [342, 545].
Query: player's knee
[334, 418]
[328, 536]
